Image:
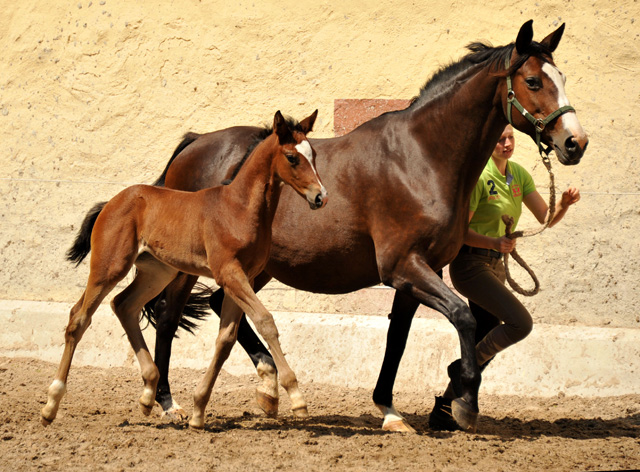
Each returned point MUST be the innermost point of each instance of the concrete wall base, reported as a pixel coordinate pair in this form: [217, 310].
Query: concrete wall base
[347, 350]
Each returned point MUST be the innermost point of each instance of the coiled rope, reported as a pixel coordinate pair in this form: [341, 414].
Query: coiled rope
[508, 221]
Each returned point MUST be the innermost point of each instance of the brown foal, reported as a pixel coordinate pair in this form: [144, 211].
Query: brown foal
[222, 232]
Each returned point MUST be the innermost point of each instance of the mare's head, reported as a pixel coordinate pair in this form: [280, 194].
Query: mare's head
[538, 86]
[295, 159]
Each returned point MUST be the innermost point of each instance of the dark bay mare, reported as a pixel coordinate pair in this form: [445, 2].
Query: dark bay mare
[400, 186]
[222, 232]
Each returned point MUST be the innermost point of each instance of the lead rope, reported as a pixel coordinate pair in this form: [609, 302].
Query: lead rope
[508, 221]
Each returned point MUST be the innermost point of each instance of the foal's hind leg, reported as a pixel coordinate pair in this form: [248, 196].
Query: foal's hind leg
[79, 321]
[150, 279]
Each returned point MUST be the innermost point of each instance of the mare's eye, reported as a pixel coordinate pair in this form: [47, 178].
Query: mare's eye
[533, 83]
[293, 159]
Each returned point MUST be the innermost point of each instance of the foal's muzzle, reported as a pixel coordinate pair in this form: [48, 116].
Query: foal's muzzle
[317, 200]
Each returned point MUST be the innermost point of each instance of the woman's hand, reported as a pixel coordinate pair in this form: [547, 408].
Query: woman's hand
[505, 245]
[569, 197]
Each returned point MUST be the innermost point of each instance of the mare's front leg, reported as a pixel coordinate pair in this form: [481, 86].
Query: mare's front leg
[168, 311]
[414, 277]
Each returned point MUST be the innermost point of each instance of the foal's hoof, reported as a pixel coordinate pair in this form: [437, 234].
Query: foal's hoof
[398, 426]
[196, 424]
[146, 409]
[45, 422]
[174, 415]
[300, 412]
[267, 403]
[464, 415]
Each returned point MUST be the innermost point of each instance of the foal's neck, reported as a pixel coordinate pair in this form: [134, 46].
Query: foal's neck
[257, 184]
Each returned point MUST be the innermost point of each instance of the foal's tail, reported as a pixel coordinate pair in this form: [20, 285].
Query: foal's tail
[186, 140]
[82, 245]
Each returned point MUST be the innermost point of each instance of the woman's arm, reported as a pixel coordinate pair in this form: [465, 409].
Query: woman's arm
[502, 244]
[536, 204]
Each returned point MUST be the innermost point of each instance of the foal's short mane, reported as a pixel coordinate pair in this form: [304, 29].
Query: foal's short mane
[263, 134]
[484, 54]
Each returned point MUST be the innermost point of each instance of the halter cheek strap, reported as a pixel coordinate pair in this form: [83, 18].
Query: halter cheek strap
[538, 123]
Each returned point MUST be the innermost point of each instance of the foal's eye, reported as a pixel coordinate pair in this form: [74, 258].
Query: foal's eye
[293, 159]
[533, 83]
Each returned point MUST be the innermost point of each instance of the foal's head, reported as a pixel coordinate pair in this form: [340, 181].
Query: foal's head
[295, 160]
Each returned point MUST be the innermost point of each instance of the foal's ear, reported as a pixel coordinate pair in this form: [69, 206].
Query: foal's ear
[306, 125]
[525, 36]
[553, 39]
[281, 128]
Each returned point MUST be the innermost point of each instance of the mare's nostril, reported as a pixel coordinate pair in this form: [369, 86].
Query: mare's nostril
[318, 200]
[571, 144]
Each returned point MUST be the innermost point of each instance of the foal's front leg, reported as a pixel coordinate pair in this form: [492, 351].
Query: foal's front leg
[227, 334]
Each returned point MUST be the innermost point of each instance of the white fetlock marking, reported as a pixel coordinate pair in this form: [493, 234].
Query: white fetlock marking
[57, 390]
[269, 378]
[297, 400]
[55, 393]
[390, 415]
[147, 397]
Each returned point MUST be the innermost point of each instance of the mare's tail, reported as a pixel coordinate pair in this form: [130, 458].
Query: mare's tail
[186, 140]
[195, 310]
[82, 245]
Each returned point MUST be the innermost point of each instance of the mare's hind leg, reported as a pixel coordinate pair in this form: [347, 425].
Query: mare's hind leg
[267, 395]
[150, 279]
[168, 313]
[79, 321]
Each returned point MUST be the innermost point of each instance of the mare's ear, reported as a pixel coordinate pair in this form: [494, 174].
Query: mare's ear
[525, 36]
[553, 39]
[281, 128]
[307, 124]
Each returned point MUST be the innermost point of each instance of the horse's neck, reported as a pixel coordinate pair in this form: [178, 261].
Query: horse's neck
[463, 126]
[257, 184]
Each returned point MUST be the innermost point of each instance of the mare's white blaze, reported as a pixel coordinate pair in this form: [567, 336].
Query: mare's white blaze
[570, 120]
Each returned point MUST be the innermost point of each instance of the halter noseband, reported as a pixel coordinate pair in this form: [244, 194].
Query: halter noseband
[538, 123]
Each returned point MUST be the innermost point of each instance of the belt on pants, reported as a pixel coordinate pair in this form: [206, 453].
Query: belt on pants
[480, 251]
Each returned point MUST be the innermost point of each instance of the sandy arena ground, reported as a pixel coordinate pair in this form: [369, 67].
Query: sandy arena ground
[99, 427]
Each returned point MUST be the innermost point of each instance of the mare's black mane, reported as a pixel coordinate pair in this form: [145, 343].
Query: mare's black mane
[480, 53]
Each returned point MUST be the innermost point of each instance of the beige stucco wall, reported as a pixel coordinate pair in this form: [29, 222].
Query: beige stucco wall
[95, 95]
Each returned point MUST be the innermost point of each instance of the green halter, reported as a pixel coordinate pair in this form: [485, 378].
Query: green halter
[538, 123]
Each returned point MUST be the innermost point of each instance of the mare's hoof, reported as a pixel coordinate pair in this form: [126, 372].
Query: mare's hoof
[267, 403]
[398, 426]
[300, 412]
[45, 422]
[441, 418]
[464, 415]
